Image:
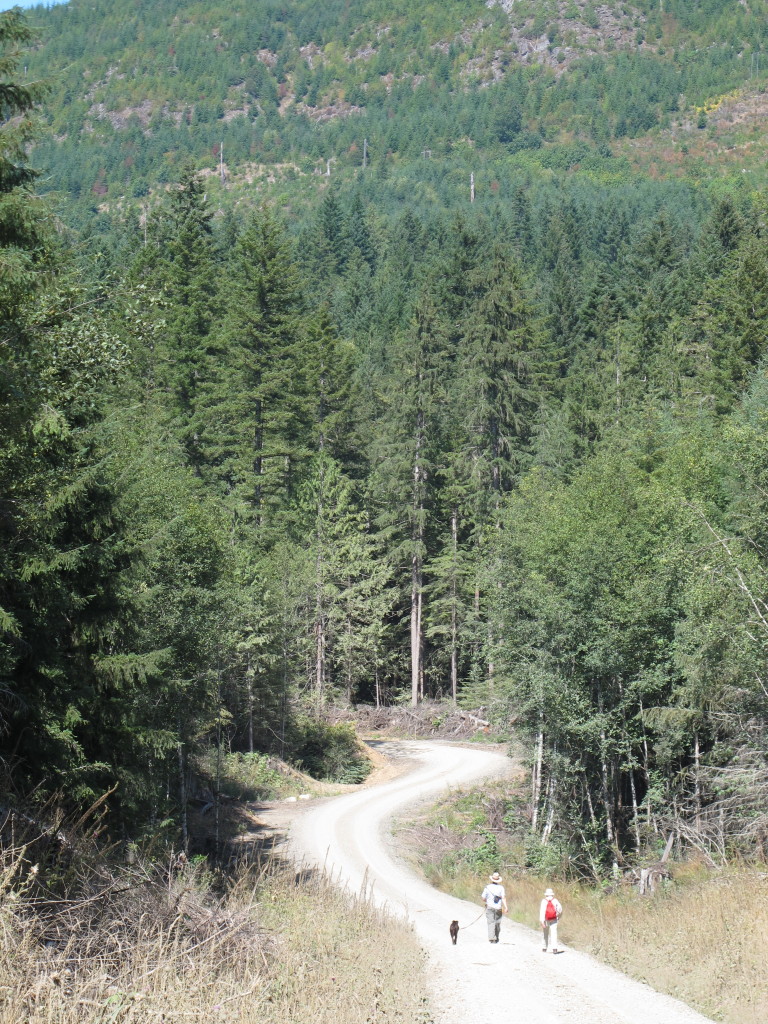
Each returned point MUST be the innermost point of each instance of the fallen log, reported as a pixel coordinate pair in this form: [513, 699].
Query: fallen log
[479, 722]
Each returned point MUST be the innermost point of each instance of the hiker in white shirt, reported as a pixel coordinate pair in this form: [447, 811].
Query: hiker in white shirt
[495, 900]
[550, 912]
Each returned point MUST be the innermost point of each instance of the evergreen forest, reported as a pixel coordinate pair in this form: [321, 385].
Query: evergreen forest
[347, 355]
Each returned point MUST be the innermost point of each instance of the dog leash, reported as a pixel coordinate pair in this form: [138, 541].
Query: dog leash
[463, 926]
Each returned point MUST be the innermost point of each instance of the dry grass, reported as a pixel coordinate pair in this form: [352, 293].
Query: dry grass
[266, 946]
[343, 961]
[700, 940]
[132, 949]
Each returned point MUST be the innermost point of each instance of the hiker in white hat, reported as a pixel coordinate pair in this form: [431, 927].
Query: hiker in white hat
[495, 900]
[550, 912]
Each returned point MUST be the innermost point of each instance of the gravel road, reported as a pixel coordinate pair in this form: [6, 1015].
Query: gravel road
[474, 982]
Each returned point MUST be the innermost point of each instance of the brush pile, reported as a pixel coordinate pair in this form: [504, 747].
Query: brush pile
[430, 719]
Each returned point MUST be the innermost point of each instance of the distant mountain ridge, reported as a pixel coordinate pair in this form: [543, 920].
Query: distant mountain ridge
[138, 86]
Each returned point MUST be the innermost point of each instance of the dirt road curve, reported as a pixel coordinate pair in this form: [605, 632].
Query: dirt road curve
[474, 982]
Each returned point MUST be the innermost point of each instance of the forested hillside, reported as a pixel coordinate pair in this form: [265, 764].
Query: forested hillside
[141, 86]
[314, 423]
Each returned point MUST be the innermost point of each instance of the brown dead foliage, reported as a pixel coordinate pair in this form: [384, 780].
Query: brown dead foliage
[87, 940]
[65, 896]
[430, 719]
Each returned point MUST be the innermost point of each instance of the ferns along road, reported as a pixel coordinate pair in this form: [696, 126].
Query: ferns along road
[473, 982]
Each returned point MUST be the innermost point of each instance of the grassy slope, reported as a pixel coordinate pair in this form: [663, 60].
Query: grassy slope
[150, 945]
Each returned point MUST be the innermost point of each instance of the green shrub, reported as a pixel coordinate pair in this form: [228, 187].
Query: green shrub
[248, 776]
[546, 859]
[329, 752]
[485, 856]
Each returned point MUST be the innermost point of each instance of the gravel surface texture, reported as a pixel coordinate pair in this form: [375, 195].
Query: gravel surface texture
[473, 982]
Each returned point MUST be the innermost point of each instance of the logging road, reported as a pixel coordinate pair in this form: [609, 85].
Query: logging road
[473, 982]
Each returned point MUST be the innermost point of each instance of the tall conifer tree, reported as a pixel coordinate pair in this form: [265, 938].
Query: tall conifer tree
[255, 419]
[181, 264]
[405, 452]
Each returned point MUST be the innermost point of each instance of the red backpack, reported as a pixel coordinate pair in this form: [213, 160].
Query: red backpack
[550, 914]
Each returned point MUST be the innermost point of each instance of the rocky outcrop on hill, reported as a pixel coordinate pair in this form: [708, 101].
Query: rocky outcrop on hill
[576, 30]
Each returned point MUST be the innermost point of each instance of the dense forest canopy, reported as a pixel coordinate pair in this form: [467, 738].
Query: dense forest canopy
[306, 421]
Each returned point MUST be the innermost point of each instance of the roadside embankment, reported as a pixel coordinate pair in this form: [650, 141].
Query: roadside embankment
[179, 943]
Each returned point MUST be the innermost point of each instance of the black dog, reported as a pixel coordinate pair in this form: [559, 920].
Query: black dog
[454, 930]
